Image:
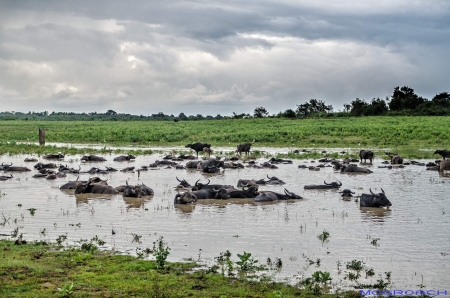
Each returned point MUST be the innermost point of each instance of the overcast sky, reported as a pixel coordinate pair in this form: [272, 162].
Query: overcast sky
[210, 57]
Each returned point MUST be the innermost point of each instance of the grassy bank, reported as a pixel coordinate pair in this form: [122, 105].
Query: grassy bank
[42, 270]
[407, 135]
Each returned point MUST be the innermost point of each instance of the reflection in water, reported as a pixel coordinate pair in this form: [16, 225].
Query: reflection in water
[136, 202]
[86, 197]
[375, 214]
[184, 209]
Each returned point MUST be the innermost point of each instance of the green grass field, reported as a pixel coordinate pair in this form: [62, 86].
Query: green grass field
[401, 134]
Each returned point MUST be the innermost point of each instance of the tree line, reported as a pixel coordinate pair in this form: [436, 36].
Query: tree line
[403, 102]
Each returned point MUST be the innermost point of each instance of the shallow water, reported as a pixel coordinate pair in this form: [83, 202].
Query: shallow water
[414, 234]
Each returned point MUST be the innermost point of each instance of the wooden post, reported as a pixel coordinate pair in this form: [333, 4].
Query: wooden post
[41, 136]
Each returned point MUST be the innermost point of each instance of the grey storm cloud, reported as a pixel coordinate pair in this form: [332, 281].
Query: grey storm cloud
[210, 57]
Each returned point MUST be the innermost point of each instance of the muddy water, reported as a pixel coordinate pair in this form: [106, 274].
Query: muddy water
[414, 234]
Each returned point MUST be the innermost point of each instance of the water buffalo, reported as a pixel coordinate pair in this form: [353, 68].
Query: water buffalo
[247, 192]
[245, 147]
[10, 168]
[444, 165]
[211, 165]
[395, 158]
[249, 182]
[128, 170]
[274, 160]
[41, 165]
[233, 165]
[128, 157]
[94, 188]
[4, 178]
[183, 183]
[325, 186]
[346, 194]
[207, 150]
[351, 168]
[30, 159]
[202, 194]
[198, 147]
[92, 158]
[73, 184]
[274, 181]
[374, 200]
[198, 185]
[54, 156]
[270, 196]
[365, 154]
[193, 164]
[137, 191]
[443, 153]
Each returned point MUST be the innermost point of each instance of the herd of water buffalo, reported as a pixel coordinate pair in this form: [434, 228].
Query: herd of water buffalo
[245, 188]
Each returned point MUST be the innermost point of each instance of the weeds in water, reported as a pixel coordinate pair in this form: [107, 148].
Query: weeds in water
[43, 231]
[161, 251]
[324, 236]
[66, 290]
[61, 239]
[15, 232]
[136, 238]
[355, 265]
[246, 263]
[370, 272]
[374, 242]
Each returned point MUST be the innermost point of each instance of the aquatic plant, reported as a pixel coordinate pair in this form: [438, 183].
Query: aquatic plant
[160, 251]
[324, 236]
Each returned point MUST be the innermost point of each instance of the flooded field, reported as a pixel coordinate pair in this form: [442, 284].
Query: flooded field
[411, 239]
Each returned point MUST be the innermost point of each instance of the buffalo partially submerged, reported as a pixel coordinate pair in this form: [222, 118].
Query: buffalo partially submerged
[202, 194]
[94, 188]
[395, 158]
[249, 182]
[247, 192]
[274, 181]
[92, 158]
[137, 191]
[30, 159]
[198, 147]
[211, 165]
[346, 194]
[374, 200]
[183, 184]
[73, 184]
[54, 156]
[11, 168]
[245, 147]
[325, 186]
[351, 168]
[198, 185]
[269, 196]
[128, 157]
[41, 165]
[4, 178]
[365, 154]
[274, 160]
[443, 153]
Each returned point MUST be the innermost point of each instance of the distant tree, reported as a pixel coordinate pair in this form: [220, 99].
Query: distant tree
[347, 107]
[358, 107]
[314, 106]
[376, 108]
[111, 113]
[404, 98]
[289, 113]
[182, 116]
[260, 112]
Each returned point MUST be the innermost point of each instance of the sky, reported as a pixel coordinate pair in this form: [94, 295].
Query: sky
[217, 57]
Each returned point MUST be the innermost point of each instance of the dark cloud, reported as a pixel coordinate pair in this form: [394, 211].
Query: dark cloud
[214, 57]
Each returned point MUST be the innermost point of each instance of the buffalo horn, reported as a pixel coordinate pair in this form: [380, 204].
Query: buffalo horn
[326, 182]
[375, 195]
[287, 192]
[340, 183]
[382, 191]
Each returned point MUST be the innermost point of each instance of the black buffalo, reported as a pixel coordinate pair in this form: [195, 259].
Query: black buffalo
[11, 168]
[245, 193]
[211, 165]
[94, 188]
[30, 159]
[92, 158]
[325, 186]
[274, 160]
[183, 184]
[270, 196]
[443, 153]
[202, 194]
[351, 168]
[3, 178]
[137, 191]
[249, 182]
[245, 147]
[395, 158]
[365, 154]
[54, 156]
[374, 200]
[346, 194]
[41, 165]
[274, 181]
[198, 147]
[128, 157]
[73, 184]
[198, 185]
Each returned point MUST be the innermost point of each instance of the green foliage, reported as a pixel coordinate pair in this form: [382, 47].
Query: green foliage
[66, 290]
[324, 236]
[355, 265]
[246, 263]
[160, 251]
